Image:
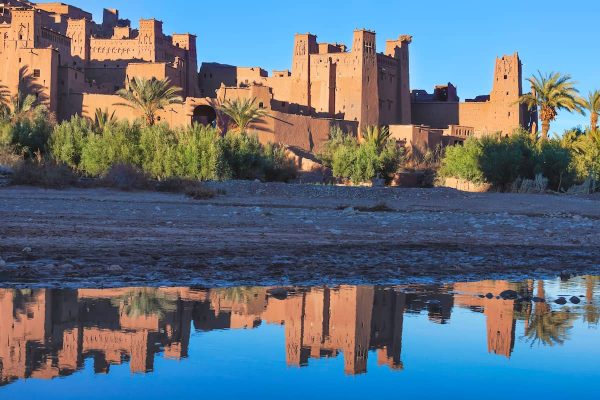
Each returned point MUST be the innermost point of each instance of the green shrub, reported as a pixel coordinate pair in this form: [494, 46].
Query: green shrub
[361, 162]
[463, 162]
[117, 144]
[244, 156]
[199, 154]
[554, 162]
[278, 166]
[500, 161]
[195, 153]
[67, 140]
[586, 156]
[30, 134]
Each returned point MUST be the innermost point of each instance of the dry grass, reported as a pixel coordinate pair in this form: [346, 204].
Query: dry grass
[46, 174]
[126, 177]
[190, 188]
[8, 157]
[380, 207]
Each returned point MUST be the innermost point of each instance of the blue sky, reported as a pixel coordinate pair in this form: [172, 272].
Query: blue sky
[454, 41]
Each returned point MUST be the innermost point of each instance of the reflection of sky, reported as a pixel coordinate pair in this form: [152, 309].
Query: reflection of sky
[444, 361]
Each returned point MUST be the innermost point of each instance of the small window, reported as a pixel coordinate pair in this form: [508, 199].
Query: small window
[36, 73]
[261, 105]
[505, 76]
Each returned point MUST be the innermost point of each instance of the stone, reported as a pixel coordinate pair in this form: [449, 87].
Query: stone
[2, 263]
[115, 268]
[278, 293]
[575, 300]
[4, 170]
[26, 250]
[509, 295]
[538, 300]
[489, 296]
[561, 301]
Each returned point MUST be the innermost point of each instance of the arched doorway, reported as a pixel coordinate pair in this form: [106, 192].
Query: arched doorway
[204, 115]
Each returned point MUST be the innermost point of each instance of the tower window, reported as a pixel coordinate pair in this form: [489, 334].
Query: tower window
[36, 73]
[505, 76]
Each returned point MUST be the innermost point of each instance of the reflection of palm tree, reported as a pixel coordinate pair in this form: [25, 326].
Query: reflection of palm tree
[548, 327]
[592, 313]
[145, 302]
[240, 295]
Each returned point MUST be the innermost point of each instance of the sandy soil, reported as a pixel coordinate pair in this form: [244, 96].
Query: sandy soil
[276, 234]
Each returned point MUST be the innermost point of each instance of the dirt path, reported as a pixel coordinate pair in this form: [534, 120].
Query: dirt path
[279, 234]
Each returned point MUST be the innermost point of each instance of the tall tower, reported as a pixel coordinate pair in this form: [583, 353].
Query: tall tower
[399, 49]
[365, 56]
[149, 36]
[188, 42]
[304, 45]
[26, 28]
[80, 32]
[506, 113]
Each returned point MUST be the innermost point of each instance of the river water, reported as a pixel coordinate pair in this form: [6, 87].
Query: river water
[488, 339]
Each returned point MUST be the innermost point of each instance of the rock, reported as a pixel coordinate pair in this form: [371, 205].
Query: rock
[4, 170]
[509, 295]
[489, 296]
[575, 300]
[335, 231]
[115, 268]
[538, 300]
[26, 250]
[561, 301]
[2, 263]
[278, 293]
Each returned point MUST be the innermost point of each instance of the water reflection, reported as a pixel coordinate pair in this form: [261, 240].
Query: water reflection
[49, 333]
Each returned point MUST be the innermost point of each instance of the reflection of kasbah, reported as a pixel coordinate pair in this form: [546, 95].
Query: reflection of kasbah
[78, 65]
[48, 333]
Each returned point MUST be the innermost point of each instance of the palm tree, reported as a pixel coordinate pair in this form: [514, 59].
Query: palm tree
[4, 101]
[23, 105]
[592, 105]
[150, 96]
[551, 93]
[102, 119]
[548, 327]
[145, 302]
[377, 135]
[242, 112]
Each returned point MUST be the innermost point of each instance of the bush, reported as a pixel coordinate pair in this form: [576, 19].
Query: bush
[463, 162]
[554, 163]
[196, 152]
[500, 161]
[67, 140]
[586, 156]
[278, 166]
[28, 135]
[244, 157]
[359, 162]
[117, 144]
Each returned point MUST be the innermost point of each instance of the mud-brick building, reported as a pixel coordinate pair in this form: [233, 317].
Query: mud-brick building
[75, 65]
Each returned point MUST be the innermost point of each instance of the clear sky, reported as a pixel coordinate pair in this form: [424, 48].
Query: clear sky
[453, 41]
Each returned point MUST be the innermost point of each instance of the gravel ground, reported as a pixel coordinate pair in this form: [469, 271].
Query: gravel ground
[277, 234]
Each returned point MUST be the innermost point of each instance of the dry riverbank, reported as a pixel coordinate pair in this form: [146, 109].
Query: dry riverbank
[276, 234]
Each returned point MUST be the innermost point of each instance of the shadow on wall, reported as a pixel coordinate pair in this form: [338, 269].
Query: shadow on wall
[436, 114]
